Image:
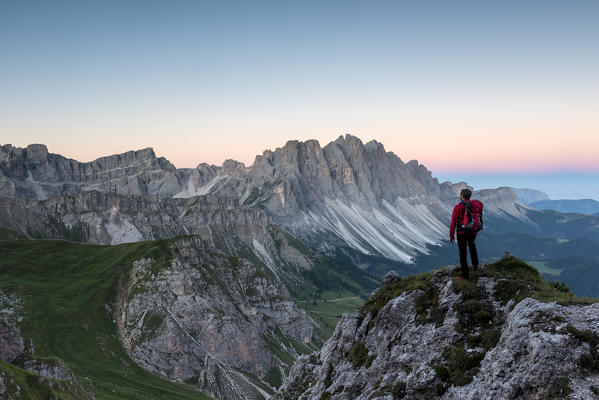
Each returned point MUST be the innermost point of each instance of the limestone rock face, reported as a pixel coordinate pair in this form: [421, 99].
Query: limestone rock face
[204, 317]
[111, 219]
[453, 340]
[11, 343]
[540, 343]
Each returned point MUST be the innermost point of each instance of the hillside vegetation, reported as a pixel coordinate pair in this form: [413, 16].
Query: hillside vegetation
[69, 291]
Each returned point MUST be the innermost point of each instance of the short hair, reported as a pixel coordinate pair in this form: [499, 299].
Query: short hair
[466, 193]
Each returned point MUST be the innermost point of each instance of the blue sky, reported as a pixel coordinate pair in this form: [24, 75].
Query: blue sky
[206, 81]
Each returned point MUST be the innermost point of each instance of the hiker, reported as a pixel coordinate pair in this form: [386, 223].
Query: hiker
[467, 220]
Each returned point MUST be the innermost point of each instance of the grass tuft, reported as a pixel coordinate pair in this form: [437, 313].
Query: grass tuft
[358, 355]
[386, 293]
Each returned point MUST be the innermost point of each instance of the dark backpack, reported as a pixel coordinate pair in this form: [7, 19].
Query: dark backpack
[472, 220]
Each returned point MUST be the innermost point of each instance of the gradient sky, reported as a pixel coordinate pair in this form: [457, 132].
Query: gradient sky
[510, 88]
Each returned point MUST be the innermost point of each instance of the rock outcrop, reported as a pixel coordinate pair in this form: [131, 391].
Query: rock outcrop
[221, 323]
[11, 343]
[106, 218]
[508, 334]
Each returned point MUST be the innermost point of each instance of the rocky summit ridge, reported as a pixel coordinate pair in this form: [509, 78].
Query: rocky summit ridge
[507, 334]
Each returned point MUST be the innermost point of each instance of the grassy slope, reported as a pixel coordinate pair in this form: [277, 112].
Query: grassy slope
[67, 288]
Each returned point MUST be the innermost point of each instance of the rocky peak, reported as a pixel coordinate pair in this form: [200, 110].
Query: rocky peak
[374, 147]
[503, 193]
[32, 151]
[505, 334]
[528, 196]
[349, 141]
[345, 192]
[232, 167]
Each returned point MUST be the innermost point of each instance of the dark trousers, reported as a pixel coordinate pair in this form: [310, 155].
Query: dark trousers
[467, 239]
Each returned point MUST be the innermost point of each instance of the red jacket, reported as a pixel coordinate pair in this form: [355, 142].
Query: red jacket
[456, 215]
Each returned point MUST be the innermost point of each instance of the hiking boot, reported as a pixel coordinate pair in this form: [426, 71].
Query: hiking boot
[475, 267]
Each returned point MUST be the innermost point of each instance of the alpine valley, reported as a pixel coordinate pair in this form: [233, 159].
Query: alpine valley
[127, 278]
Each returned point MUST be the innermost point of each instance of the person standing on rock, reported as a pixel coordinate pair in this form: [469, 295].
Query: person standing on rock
[467, 220]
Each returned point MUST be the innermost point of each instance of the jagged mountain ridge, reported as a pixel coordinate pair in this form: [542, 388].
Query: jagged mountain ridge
[345, 194]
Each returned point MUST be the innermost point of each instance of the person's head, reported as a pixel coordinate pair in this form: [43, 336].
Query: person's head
[466, 193]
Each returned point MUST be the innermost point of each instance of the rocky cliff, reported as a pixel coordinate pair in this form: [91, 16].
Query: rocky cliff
[507, 334]
[224, 324]
[107, 218]
[220, 222]
[32, 172]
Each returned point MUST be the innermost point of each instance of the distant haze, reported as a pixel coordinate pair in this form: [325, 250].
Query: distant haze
[557, 185]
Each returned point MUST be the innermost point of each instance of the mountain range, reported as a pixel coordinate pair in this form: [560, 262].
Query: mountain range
[277, 251]
[345, 196]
